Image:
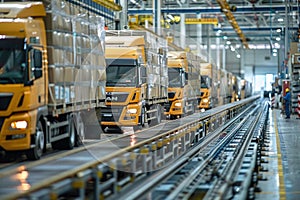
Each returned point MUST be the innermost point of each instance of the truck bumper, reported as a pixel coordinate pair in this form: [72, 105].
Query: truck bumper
[204, 103]
[116, 116]
[176, 108]
[15, 139]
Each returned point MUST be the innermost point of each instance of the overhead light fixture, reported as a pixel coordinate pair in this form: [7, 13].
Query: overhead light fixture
[280, 20]
[278, 30]
[277, 38]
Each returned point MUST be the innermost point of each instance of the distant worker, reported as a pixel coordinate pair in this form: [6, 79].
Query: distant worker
[287, 99]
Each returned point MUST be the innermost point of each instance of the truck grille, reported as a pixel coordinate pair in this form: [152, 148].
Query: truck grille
[116, 97]
[111, 114]
[168, 106]
[5, 99]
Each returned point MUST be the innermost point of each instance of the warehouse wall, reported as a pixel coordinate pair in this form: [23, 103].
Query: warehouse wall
[261, 60]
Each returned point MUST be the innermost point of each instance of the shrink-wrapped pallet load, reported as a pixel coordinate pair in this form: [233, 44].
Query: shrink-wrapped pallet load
[157, 66]
[75, 39]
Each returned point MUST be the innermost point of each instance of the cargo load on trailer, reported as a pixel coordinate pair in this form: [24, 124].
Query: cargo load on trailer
[52, 72]
[137, 79]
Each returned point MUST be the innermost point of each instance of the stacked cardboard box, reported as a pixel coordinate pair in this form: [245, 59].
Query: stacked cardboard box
[194, 68]
[157, 69]
[295, 81]
[75, 39]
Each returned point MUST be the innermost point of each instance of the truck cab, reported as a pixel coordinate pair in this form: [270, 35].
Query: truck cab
[22, 78]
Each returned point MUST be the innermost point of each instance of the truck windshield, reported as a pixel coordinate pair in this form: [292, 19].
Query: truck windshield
[205, 82]
[174, 76]
[12, 62]
[121, 75]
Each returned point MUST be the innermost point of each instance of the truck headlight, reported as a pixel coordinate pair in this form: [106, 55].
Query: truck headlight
[178, 104]
[205, 100]
[132, 111]
[19, 124]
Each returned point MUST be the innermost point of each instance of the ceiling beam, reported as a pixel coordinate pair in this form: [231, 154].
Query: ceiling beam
[199, 10]
[228, 29]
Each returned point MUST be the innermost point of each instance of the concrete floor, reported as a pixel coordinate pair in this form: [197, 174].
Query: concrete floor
[281, 178]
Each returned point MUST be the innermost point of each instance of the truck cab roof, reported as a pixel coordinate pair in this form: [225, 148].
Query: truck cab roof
[22, 9]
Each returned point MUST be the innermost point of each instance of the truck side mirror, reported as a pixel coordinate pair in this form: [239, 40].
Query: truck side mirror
[185, 78]
[38, 63]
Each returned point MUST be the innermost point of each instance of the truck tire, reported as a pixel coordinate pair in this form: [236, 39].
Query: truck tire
[157, 115]
[80, 130]
[69, 142]
[142, 120]
[36, 152]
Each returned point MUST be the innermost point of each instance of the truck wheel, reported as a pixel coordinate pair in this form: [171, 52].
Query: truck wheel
[143, 117]
[157, 114]
[104, 129]
[69, 142]
[36, 152]
[80, 130]
[193, 108]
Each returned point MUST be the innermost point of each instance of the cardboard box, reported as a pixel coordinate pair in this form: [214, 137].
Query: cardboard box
[55, 94]
[69, 74]
[296, 58]
[68, 40]
[56, 74]
[55, 56]
[295, 47]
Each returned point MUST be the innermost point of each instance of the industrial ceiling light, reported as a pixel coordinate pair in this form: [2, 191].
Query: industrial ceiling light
[280, 20]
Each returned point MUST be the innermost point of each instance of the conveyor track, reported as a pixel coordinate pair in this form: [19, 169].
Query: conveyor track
[226, 168]
[106, 169]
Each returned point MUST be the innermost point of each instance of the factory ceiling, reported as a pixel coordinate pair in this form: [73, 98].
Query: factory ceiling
[257, 22]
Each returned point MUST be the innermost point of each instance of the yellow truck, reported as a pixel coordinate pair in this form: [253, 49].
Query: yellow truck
[137, 79]
[184, 84]
[235, 88]
[209, 85]
[245, 89]
[52, 73]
